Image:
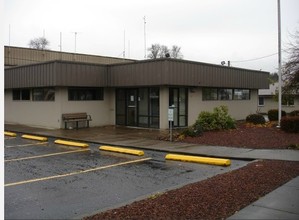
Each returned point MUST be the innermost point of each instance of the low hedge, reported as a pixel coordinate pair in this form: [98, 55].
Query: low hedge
[256, 119]
[290, 124]
[294, 113]
[273, 114]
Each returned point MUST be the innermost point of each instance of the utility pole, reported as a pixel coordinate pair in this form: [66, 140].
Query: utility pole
[279, 64]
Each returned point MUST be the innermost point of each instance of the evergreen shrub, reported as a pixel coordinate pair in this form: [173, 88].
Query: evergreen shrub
[290, 124]
[256, 119]
[273, 114]
[219, 119]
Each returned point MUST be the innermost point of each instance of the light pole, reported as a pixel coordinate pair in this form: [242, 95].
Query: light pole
[279, 63]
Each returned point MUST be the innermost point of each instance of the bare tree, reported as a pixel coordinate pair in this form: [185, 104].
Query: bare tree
[291, 67]
[154, 51]
[290, 71]
[40, 43]
[162, 51]
[176, 52]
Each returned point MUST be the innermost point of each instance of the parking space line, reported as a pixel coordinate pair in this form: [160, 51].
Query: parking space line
[25, 145]
[8, 138]
[77, 172]
[45, 155]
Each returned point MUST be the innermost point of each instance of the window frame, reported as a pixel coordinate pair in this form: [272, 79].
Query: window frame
[231, 92]
[21, 96]
[86, 93]
[47, 94]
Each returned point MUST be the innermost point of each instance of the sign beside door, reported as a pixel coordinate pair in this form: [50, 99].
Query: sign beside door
[170, 114]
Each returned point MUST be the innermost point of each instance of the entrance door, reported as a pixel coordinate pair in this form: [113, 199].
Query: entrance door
[178, 97]
[132, 107]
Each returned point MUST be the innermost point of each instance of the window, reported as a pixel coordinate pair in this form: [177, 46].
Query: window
[43, 94]
[261, 101]
[210, 94]
[225, 94]
[241, 94]
[84, 94]
[288, 100]
[21, 94]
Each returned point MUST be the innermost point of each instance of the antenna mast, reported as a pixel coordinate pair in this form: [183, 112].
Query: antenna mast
[76, 40]
[144, 38]
[124, 53]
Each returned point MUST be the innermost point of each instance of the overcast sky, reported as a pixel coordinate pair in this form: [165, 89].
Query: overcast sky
[206, 30]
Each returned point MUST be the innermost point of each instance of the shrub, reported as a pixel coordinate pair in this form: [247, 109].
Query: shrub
[294, 113]
[256, 119]
[273, 114]
[193, 131]
[290, 124]
[216, 120]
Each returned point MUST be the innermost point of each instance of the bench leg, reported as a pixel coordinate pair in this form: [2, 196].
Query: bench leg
[65, 125]
[77, 125]
[87, 123]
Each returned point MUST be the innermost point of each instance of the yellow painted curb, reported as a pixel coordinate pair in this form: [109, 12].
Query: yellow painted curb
[195, 159]
[11, 134]
[33, 137]
[71, 143]
[122, 150]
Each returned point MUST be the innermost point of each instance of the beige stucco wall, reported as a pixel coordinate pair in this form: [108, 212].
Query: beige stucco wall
[238, 109]
[102, 112]
[48, 113]
[39, 113]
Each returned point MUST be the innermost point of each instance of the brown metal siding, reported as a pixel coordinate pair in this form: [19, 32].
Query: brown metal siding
[30, 76]
[166, 72]
[74, 74]
[17, 56]
[191, 74]
[137, 74]
[184, 73]
[56, 74]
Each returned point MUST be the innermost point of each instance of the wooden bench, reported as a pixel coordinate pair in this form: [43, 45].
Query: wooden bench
[75, 117]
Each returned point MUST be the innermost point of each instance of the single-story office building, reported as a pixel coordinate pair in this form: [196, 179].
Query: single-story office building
[134, 94]
[268, 99]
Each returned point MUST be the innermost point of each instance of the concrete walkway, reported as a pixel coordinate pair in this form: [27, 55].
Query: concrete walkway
[282, 203]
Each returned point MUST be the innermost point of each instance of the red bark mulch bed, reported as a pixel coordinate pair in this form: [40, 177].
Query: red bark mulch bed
[215, 198]
[222, 195]
[248, 136]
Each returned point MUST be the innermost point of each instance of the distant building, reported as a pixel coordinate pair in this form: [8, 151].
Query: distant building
[123, 92]
[268, 99]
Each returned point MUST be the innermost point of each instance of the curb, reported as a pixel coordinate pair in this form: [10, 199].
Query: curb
[11, 134]
[71, 143]
[33, 137]
[204, 160]
[122, 150]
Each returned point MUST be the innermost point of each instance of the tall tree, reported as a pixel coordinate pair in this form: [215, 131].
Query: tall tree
[40, 43]
[291, 67]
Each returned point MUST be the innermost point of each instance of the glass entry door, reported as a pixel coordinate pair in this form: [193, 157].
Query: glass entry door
[132, 107]
[178, 97]
[138, 107]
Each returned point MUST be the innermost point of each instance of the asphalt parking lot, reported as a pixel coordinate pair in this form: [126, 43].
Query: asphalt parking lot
[44, 180]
